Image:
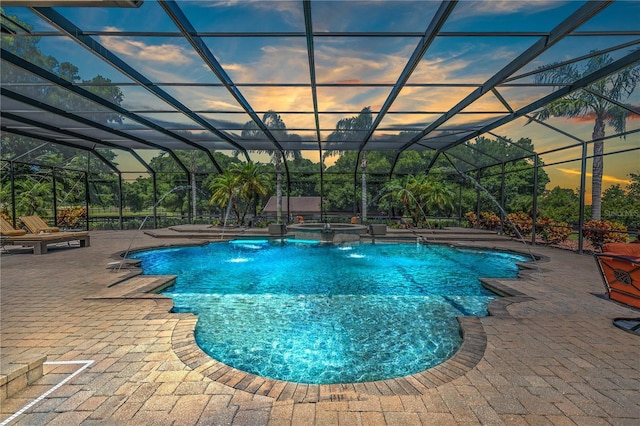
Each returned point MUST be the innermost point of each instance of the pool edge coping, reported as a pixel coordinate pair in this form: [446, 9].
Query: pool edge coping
[468, 355]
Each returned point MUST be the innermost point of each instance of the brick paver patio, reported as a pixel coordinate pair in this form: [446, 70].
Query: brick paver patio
[549, 356]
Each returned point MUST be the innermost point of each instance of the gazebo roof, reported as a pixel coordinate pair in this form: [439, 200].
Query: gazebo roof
[298, 205]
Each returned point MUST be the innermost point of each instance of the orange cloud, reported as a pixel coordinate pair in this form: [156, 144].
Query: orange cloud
[605, 178]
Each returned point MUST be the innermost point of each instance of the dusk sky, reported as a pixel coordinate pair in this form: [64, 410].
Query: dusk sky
[352, 70]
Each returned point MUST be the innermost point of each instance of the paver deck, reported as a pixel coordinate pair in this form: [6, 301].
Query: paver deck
[549, 355]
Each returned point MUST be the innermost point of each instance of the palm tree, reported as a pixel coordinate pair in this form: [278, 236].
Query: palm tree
[588, 103]
[253, 182]
[439, 196]
[405, 192]
[239, 187]
[225, 190]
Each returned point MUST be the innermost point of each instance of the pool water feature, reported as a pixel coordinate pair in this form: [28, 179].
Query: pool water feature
[325, 313]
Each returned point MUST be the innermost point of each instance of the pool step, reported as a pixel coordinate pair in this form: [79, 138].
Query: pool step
[17, 375]
[138, 287]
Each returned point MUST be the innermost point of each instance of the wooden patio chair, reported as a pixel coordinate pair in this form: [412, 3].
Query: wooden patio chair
[619, 265]
[36, 225]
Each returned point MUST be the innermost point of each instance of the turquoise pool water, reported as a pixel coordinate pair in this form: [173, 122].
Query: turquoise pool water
[316, 313]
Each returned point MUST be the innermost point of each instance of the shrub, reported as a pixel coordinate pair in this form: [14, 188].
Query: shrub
[519, 222]
[553, 231]
[489, 220]
[472, 219]
[600, 232]
[4, 212]
[69, 217]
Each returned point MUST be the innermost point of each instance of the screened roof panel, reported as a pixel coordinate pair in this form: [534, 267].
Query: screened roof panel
[211, 75]
[355, 16]
[303, 145]
[350, 98]
[28, 19]
[464, 59]
[278, 98]
[136, 98]
[407, 122]
[361, 60]
[580, 47]
[299, 123]
[119, 19]
[487, 103]
[544, 137]
[520, 96]
[173, 121]
[440, 141]
[429, 99]
[619, 16]
[227, 121]
[511, 16]
[250, 60]
[226, 16]
[397, 138]
[329, 121]
[160, 59]
[470, 121]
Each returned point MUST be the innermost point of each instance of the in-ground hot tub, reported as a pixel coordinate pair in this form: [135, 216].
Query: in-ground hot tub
[329, 232]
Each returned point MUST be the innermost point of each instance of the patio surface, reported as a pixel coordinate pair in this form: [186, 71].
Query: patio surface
[548, 356]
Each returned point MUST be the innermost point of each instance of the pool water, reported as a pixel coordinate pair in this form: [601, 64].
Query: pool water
[322, 313]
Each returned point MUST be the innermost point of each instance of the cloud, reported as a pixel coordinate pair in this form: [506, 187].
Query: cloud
[162, 53]
[591, 116]
[504, 7]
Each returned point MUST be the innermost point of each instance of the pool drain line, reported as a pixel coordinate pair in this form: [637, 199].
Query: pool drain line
[86, 364]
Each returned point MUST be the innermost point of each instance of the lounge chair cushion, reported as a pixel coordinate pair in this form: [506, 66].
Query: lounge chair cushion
[36, 224]
[7, 230]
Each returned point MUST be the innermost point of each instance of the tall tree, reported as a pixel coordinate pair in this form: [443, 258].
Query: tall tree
[278, 129]
[589, 104]
[353, 129]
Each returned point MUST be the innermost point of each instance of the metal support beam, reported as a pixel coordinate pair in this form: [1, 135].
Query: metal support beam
[308, 26]
[154, 182]
[63, 143]
[75, 135]
[583, 189]
[46, 75]
[613, 67]
[437, 22]
[86, 193]
[502, 196]
[53, 110]
[190, 34]
[120, 202]
[75, 33]
[534, 207]
[55, 196]
[13, 193]
[582, 15]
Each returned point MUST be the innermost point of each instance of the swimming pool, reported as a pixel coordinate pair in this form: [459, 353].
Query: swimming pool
[323, 313]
